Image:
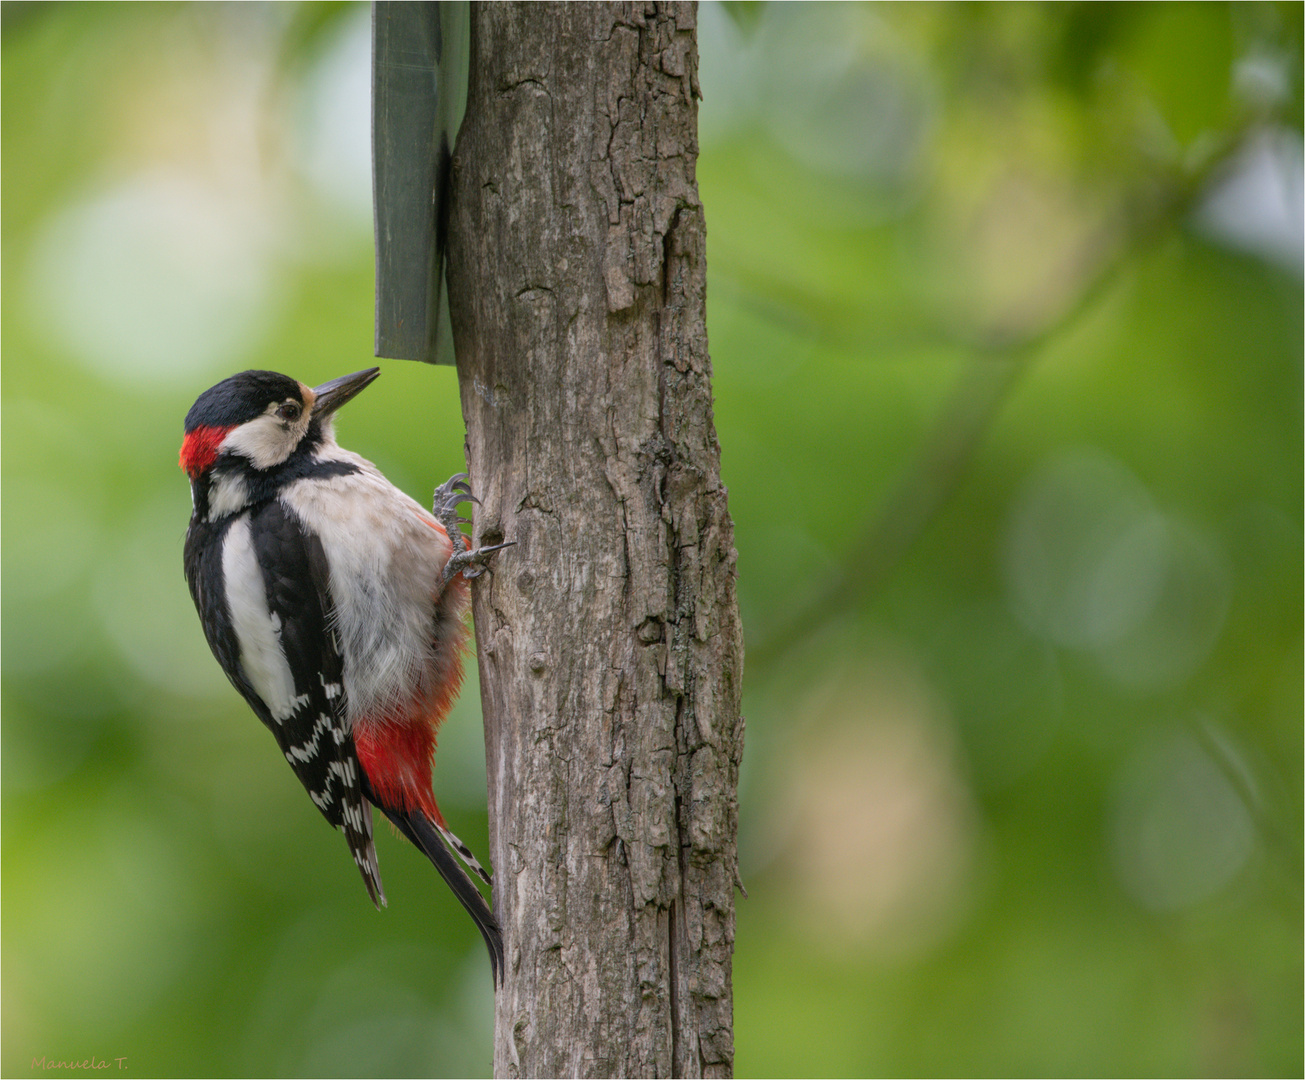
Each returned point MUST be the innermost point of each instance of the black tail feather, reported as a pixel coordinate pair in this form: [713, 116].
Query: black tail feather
[424, 835]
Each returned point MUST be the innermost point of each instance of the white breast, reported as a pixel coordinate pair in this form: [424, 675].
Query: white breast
[386, 556]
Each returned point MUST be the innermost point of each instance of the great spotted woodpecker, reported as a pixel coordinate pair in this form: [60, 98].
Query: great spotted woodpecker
[335, 605]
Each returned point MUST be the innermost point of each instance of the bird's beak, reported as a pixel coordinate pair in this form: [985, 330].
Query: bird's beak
[331, 395]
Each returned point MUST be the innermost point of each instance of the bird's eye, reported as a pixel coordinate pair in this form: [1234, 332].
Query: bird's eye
[290, 410]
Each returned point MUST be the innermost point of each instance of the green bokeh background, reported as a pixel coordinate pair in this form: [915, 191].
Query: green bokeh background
[1005, 310]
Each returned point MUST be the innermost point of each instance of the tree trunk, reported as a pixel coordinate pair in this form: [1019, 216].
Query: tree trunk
[609, 640]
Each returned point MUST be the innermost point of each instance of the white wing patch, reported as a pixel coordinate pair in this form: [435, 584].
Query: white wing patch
[257, 629]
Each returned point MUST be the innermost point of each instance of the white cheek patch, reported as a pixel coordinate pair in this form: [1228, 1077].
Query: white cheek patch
[263, 442]
[257, 629]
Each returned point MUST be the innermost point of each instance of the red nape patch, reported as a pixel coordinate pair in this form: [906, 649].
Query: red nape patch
[199, 449]
[396, 757]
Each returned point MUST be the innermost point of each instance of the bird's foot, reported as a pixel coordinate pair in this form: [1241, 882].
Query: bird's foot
[471, 564]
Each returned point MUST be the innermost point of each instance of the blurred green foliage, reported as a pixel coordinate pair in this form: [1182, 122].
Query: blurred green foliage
[1005, 308]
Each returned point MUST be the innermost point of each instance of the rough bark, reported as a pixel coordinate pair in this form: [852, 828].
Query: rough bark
[609, 642]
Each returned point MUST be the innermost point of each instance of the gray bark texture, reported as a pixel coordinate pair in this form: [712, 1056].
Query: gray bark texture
[609, 640]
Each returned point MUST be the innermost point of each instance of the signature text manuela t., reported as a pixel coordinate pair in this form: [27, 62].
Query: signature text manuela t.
[90, 1064]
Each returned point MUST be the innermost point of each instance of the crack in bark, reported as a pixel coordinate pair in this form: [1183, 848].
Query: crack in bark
[672, 950]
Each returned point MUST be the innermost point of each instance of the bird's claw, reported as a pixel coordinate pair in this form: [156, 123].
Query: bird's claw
[448, 496]
[453, 491]
[471, 564]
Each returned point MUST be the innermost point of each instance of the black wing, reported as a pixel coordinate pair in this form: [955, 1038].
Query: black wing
[315, 738]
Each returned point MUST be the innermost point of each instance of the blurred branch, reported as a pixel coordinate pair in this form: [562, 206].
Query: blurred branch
[1000, 357]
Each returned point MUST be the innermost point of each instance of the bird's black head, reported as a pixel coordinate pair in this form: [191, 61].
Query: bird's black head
[262, 418]
[242, 398]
